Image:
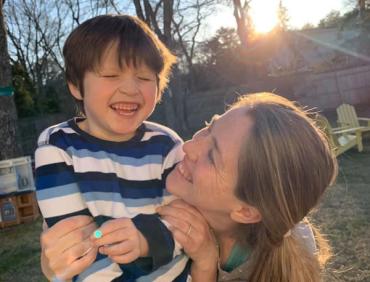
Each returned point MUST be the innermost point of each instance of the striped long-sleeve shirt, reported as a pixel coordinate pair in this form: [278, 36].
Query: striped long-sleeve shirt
[79, 174]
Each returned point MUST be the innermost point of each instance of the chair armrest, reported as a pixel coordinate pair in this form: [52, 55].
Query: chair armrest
[343, 124]
[341, 128]
[348, 130]
[365, 120]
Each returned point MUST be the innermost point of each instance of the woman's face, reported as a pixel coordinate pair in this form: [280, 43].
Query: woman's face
[207, 176]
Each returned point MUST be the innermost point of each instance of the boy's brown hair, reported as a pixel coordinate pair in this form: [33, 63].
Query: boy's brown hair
[136, 43]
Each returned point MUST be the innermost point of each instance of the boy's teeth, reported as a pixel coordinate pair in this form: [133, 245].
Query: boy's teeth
[125, 107]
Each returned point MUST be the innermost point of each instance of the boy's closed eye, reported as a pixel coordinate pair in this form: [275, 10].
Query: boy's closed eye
[109, 75]
[145, 78]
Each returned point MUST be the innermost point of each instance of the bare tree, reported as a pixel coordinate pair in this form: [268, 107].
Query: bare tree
[37, 31]
[243, 20]
[8, 114]
[187, 22]
[154, 14]
[177, 24]
[283, 17]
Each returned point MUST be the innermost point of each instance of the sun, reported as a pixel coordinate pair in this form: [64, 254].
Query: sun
[264, 15]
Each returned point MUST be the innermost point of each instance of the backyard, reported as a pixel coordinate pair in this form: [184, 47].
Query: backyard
[344, 217]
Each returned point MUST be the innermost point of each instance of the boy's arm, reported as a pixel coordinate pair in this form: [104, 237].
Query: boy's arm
[162, 247]
[58, 194]
[159, 239]
[57, 191]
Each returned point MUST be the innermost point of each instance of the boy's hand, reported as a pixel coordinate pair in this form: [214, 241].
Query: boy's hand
[121, 241]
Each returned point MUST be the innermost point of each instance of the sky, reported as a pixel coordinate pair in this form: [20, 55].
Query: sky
[300, 12]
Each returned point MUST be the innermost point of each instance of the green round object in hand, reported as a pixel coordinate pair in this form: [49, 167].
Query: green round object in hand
[98, 234]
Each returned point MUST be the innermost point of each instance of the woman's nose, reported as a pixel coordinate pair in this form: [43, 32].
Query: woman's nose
[190, 150]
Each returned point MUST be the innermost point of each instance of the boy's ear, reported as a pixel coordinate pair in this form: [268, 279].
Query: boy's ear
[74, 91]
[246, 214]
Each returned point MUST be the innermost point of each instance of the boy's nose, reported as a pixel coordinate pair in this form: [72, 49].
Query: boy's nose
[128, 87]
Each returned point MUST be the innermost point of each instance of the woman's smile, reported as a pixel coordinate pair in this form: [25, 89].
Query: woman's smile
[183, 172]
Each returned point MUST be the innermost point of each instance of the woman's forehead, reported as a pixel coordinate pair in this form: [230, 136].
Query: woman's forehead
[230, 131]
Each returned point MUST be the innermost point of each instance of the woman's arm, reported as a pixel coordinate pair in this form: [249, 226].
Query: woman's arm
[192, 231]
[66, 249]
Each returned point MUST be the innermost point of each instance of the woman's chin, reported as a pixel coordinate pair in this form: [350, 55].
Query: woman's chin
[176, 184]
[171, 183]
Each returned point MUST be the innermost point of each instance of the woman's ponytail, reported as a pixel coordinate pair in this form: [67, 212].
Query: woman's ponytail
[284, 168]
[293, 259]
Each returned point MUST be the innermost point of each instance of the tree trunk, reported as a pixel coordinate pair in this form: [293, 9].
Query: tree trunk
[8, 114]
[241, 21]
[172, 100]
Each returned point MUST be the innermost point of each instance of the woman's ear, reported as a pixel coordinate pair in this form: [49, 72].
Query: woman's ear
[74, 91]
[246, 214]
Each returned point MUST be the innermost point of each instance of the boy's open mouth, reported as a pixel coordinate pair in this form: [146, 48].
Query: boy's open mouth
[125, 109]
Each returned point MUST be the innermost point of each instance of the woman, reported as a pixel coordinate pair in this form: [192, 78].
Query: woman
[251, 176]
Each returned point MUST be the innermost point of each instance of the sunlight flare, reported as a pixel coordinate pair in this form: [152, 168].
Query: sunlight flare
[264, 16]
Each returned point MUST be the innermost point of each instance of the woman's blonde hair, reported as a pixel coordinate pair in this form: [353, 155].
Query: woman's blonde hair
[285, 166]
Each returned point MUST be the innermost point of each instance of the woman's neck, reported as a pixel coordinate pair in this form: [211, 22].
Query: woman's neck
[226, 242]
[224, 230]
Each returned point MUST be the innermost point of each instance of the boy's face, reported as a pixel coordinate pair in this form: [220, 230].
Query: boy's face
[117, 101]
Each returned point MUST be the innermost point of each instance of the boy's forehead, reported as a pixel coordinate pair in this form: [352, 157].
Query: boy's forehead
[113, 57]
[120, 64]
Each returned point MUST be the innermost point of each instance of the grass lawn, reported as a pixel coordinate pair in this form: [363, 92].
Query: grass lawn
[20, 252]
[344, 216]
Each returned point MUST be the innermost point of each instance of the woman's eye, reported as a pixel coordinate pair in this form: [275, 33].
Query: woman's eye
[110, 76]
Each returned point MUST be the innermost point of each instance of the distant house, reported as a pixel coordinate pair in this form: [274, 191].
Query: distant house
[319, 50]
[319, 68]
[323, 68]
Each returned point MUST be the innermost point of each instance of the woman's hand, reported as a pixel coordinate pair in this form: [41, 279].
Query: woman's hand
[192, 231]
[66, 249]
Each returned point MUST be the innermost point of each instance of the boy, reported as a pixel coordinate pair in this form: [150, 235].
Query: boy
[112, 164]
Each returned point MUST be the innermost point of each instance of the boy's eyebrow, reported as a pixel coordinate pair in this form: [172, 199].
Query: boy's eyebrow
[108, 69]
[214, 140]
